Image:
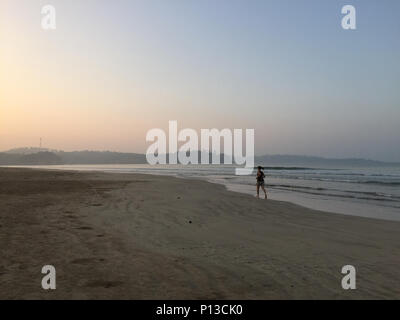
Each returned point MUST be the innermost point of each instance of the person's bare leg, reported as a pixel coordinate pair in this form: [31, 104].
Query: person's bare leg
[258, 191]
[265, 192]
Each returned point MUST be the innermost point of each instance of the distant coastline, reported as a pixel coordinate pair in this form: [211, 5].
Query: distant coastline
[42, 156]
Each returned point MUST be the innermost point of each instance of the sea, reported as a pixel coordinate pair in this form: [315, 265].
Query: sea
[372, 192]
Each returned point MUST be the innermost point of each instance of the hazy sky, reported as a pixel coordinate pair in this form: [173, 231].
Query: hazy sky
[112, 70]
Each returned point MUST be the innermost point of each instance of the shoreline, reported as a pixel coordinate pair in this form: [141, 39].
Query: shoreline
[323, 205]
[107, 235]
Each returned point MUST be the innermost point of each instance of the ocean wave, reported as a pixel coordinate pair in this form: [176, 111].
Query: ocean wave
[324, 190]
[355, 181]
[346, 196]
[369, 193]
[333, 192]
[291, 168]
[392, 183]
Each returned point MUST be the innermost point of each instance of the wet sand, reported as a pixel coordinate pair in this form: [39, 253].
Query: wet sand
[131, 236]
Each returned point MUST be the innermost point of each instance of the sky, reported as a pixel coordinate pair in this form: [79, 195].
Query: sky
[112, 70]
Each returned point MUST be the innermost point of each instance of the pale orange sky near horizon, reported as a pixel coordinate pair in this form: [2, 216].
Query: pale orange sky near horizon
[73, 102]
[111, 71]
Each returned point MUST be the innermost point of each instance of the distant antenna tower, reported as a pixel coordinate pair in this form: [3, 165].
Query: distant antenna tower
[40, 144]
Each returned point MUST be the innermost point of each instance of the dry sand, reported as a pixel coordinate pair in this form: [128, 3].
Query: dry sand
[131, 236]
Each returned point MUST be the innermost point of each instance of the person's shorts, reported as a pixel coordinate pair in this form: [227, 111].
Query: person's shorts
[260, 183]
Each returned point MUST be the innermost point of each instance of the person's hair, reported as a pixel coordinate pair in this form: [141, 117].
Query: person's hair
[260, 168]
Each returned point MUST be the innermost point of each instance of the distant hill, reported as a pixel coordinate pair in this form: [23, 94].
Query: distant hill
[40, 158]
[37, 156]
[308, 161]
[25, 157]
[29, 150]
[101, 157]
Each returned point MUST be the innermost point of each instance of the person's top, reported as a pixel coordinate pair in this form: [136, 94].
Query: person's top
[260, 176]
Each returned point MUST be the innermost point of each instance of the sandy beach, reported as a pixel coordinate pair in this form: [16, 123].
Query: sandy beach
[131, 236]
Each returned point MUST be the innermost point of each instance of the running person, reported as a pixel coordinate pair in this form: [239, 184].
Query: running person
[260, 181]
